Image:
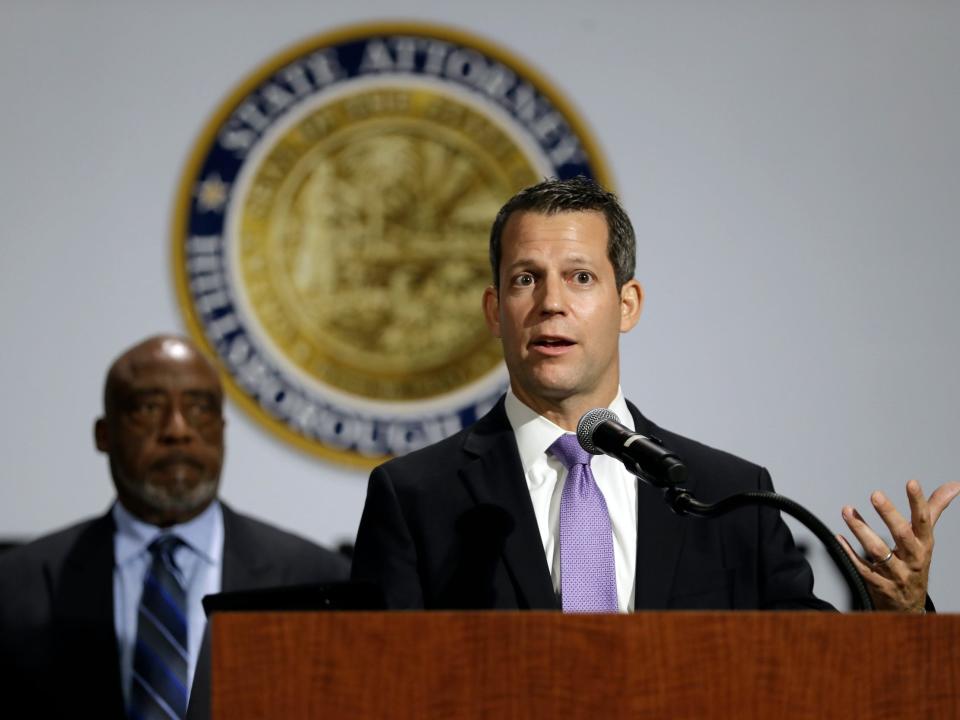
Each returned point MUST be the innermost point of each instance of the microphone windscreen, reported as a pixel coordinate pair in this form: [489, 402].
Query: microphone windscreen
[588, 423]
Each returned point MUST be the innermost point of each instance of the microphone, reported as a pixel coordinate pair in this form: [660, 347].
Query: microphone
[600, 432]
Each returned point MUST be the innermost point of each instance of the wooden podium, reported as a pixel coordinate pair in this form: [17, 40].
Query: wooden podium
[379, 665]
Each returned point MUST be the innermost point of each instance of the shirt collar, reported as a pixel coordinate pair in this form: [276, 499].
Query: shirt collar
[535, 434]
[134, 535]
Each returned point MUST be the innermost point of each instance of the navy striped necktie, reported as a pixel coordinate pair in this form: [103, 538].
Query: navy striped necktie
[159, 687]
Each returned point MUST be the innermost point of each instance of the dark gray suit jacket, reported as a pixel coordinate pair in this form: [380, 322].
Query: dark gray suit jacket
[453, 526]
[58, 647]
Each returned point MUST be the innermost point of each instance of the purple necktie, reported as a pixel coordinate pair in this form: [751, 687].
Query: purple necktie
[588, 578]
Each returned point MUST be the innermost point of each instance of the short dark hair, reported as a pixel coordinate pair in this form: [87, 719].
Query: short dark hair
[578, 194]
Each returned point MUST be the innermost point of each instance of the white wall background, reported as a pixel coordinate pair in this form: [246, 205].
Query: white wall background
[792, 169]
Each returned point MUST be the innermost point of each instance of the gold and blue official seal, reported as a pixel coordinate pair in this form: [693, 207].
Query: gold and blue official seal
[330, 235]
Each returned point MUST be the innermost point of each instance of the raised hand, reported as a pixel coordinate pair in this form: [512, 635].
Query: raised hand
[897, 577]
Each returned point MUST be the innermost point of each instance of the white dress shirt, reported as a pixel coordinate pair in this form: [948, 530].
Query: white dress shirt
[200, 560]
[546, 475]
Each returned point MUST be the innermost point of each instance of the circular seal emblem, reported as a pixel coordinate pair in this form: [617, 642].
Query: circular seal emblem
[331, 228]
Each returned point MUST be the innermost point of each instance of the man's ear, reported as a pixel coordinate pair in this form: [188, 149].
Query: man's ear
[101, 436]
[491, 310]
[631, 304]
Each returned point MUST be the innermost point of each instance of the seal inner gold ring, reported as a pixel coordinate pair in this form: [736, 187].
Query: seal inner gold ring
[364, 241]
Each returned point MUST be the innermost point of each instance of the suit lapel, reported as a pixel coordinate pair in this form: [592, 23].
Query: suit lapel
[659, 536]
[244, 563]
[85, 641]
[495, 476]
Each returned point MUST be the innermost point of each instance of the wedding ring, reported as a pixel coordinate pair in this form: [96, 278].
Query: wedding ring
[882, 560]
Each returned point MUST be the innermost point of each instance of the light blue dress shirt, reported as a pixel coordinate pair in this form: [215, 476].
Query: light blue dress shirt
[200, 560]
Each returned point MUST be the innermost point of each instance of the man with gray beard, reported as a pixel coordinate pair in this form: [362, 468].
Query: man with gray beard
[105, 617]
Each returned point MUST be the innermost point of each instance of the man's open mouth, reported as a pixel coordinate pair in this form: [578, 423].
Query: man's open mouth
[552, 343]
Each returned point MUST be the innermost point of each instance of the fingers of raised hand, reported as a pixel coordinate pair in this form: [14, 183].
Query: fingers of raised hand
[910, 540]
[875, 548]
[940, 499]
[864, 567]
[895, 573]
[920, 519]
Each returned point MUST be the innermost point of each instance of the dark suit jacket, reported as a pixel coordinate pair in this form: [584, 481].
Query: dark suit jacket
[453, 526]
[58, 647]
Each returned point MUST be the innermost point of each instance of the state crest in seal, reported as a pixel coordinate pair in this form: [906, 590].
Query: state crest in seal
[331, 229]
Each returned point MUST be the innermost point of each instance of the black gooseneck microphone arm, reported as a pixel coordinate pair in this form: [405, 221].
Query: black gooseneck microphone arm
[600, 431]
[683, 503]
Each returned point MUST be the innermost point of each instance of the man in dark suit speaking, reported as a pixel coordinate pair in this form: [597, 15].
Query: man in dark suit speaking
[510, 513]
[104, 617]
